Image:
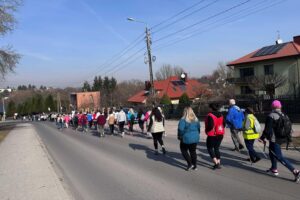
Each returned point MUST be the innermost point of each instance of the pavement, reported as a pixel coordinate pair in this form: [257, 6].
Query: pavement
[26, 171]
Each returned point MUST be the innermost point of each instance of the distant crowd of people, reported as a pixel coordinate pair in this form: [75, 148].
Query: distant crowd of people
[277, 131]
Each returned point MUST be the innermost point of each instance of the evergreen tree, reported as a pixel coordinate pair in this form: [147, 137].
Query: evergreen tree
[184, 101]
[49, 103]
[11, 108]
[165, 100]
[86, 87]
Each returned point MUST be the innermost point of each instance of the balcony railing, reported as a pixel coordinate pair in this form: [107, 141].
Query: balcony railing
[240, 80]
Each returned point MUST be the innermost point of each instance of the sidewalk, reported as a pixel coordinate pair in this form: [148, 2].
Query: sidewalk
[25, 170]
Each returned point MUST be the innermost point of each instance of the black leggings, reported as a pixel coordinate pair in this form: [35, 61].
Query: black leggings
[188, 151]
[213, 143]
[157, 137]
[112, 127]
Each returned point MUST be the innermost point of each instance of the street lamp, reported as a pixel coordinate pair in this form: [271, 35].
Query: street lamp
[150, 59]
[4, 113]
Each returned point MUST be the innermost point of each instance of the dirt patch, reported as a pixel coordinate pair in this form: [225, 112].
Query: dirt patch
[4, 130]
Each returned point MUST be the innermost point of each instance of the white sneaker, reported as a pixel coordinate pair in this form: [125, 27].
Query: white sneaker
[122, 134]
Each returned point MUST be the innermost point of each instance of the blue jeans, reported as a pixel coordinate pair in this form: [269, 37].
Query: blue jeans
[276, 154]
[252, 153]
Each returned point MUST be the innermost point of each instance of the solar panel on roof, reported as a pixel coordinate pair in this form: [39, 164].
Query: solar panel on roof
[269, 50]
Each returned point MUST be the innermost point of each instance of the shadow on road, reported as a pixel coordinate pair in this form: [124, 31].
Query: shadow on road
[231, 160]
[171, 158]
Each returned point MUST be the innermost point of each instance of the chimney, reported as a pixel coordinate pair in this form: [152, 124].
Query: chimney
[297, 39]
[183, 77]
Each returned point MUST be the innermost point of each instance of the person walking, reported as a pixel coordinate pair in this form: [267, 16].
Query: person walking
[67, 120]
[90, 120]
[250, 134]
[140, 118]
[131, 118]
[101, 121]
[189, 135]
[84, 122]
[215, 130]
[111, 121]
[234, 121]
[277, 130]
[156, 127]
[121, 120]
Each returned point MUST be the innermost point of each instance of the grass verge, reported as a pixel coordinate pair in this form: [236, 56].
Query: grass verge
[4, 130]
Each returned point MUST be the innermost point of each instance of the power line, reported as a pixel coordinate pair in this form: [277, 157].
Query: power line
[201, 21]
[179, 13]
[117, 56]
[120, 64]
[197, 32]
[185, 16]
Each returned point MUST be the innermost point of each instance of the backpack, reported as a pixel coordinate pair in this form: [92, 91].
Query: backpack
[257, 127]
[283, 127]
[218, 125]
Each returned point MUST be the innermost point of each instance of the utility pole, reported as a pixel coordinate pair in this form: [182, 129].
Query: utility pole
[148, 41]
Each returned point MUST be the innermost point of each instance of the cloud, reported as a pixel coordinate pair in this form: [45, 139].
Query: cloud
[102, 21]
[37, 56]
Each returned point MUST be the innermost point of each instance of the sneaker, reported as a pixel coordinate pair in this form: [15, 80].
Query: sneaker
[122, 135]
[164, 150]
[297, 177]
[241, 147]
[274, 172]
[194, 168]
[156, 153]
[215, 167]
[219, 166]
[188, 167]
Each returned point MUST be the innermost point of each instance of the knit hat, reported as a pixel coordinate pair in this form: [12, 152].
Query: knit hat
[231, 102]
[276, 104]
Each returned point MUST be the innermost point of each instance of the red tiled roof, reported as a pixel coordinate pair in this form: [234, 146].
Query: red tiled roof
[290, 49]
[191, 87]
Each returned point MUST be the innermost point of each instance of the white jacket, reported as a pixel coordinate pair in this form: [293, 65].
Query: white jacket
[157, 126]
[121, 116]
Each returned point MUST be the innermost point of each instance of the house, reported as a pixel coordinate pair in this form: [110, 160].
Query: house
[174, 87]
[269, 71]
[85, 101]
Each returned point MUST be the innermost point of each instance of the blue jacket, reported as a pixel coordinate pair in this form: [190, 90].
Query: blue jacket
[89, 117]
[235, 117]
[189, 133]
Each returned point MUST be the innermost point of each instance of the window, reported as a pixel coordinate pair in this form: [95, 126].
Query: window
[269, 69]
[246, 72]
[246, 90]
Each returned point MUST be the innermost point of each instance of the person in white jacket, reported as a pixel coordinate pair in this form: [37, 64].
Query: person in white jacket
[121, 120]
[156, 126]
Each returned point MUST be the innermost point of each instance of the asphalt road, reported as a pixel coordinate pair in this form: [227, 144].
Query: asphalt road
[126, 168]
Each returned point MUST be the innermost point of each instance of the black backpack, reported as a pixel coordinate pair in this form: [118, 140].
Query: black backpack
[283, 127]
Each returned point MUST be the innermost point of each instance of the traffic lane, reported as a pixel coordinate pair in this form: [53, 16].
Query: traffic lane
[139, 156]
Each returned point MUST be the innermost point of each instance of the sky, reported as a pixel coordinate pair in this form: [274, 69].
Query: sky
[65, 42]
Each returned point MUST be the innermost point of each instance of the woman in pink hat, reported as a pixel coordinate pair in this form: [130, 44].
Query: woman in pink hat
[277, 130]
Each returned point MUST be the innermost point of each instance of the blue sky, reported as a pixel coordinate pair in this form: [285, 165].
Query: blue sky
[65, 42]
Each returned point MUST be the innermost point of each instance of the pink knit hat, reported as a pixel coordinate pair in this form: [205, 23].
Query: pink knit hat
[276, 104]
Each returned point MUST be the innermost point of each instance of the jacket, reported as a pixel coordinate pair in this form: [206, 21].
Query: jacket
[155, 126]
[235, 117]
[189, 132]
[249, 128]
[101, 120]
[111, 119]
[268, 132]
[121, 116]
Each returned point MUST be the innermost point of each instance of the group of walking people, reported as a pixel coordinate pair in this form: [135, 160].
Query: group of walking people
[277, 131]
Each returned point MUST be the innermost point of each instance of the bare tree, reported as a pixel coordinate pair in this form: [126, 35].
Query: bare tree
[167, 70]
[126, 89]
[8, 58]
[218, 84]
[267, 83]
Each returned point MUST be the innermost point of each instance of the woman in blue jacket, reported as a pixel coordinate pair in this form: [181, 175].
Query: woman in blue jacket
[189, 135]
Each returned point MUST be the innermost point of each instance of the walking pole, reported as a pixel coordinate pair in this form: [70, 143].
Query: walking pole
[263, 151]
